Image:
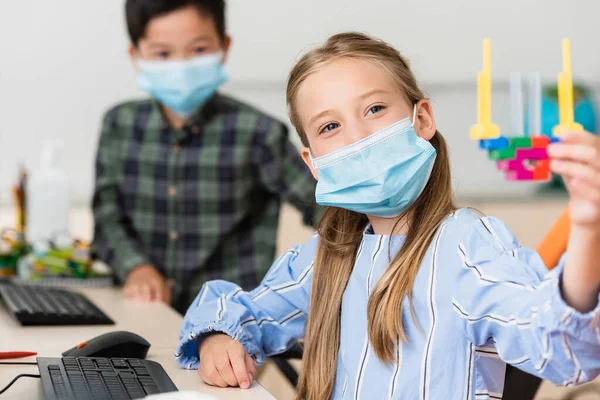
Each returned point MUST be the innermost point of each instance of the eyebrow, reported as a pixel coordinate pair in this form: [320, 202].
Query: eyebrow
[194, 40]
[362, 97]
[319, 115]
[201, 37]
[158, 45]
[371, 93]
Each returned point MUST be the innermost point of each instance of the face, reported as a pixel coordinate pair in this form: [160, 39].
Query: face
[348, 100]
[180, 35]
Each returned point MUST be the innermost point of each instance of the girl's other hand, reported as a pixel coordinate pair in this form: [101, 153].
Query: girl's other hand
[224, 362]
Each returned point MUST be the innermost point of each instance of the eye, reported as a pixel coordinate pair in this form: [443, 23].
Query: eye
[162, 55]
[375, 109]
[199, 50]
[329, 127]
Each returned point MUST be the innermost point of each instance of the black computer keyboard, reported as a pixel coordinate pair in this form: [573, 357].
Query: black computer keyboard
[102, 378]
[34, 305]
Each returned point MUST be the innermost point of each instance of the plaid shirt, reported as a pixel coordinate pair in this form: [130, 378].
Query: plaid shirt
[199, 203]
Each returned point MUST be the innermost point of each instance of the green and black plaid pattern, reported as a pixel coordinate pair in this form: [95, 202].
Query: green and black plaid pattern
[200, 203]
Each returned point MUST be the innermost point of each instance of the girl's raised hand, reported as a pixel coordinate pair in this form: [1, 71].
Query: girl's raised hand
[577, 159]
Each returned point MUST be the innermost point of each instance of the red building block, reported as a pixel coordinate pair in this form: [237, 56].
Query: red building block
[542, 171]
[540, 142]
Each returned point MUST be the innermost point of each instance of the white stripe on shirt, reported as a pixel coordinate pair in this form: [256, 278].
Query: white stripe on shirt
[424, 393]
[292, 285]
[287, 286]
[233, 294]
[502, 320]
[283, 259]
[291, 316]
[345, 376]
[571, 356]
[545, 355]
[261, 293]
[394, 380]
[222, 307]
[488, 227]
[468, 375]
[487, 278]
[517, 361]
[375, 254]
[202, 295]
[365, 352]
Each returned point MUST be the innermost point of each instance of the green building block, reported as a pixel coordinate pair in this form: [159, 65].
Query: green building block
[502, 154]
[520, 142]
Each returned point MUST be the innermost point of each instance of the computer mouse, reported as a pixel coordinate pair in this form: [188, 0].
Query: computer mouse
[118, 344]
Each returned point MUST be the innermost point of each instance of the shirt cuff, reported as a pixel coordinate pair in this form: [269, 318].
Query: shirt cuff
[585, 326]
[187, 351]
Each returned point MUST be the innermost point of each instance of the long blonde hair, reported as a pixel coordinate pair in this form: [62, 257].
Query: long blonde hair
[341, 231]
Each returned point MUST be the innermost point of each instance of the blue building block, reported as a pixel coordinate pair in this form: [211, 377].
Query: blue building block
[494, 144]
[554, 139]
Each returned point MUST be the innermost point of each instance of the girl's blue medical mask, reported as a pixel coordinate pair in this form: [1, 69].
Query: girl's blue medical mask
[182, 85]
[380, 175]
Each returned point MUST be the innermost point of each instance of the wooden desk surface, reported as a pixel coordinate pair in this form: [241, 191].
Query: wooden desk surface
[155, 322]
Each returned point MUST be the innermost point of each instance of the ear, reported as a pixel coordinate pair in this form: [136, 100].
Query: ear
[226, 46]
[305, 152]
[133, 56]
[425, 126]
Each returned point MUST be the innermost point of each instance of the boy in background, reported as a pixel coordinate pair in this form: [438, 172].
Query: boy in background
[189, 183]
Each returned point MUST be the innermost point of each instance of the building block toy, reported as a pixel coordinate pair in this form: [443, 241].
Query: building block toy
[520, 142]
[502, 154]
[520, 157]
[519, 175]
[485, 129]
[542, 171]
[540, 142]
[528, 164]
[532, 154]
[504, 165]
[509, 165]
[565, 95]
[494, 144]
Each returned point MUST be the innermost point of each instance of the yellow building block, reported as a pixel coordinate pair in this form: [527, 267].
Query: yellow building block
[565, 95]
[484, 128]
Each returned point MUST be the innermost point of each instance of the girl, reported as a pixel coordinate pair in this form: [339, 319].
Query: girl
[400, 295]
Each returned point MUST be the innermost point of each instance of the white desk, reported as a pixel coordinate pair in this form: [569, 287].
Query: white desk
[155, 322]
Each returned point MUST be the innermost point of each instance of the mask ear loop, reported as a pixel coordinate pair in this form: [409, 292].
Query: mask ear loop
[414, 115]
[138, 58]
[312, 162]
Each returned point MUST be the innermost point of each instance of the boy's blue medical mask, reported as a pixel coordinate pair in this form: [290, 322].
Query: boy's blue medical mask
[380, 175]
[182, 85]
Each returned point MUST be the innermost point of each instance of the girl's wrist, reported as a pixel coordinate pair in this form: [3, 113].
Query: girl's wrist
[588, 232]
[581, 276]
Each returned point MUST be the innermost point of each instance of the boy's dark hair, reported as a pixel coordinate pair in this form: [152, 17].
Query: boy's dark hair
[138, 14]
